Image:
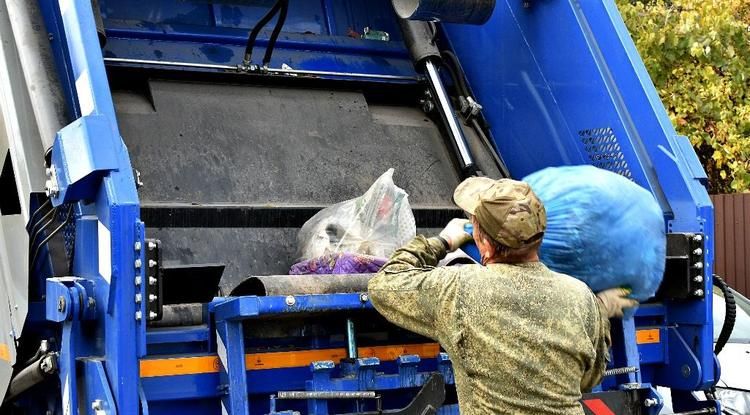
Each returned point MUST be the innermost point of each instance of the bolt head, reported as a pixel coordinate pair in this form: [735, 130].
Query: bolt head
[698, 293]
[137, 245]
[698, 238]
[137, 298]
[685, 370]
[698, 265]
[152, 281]
[151, 315]
[151, 263]
[649, 402]
[61, 304]
[152, 298]
[97, 405]
[138, 315]
[151, 245]
[138, 280]
[698, 278]
[364, 297]
[290, 300]
[138, 263]
[91, 302]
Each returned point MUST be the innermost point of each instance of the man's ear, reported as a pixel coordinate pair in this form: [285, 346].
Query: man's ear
[490, 249]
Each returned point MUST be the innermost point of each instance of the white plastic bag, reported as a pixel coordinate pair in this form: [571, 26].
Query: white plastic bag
[376, 223]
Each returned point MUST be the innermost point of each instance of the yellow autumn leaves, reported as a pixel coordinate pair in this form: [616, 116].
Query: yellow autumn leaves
[698, 54]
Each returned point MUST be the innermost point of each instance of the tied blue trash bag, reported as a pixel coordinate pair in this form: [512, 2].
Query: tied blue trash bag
[602, 229]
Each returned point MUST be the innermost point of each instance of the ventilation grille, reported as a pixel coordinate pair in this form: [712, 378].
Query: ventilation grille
[604, 151]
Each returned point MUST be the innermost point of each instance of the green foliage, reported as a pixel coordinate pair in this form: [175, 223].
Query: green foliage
[698, 55]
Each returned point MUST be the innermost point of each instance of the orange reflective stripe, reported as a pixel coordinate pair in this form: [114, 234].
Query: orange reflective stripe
[647, 336]
[258, 361]
[179, 366]
[4, 352]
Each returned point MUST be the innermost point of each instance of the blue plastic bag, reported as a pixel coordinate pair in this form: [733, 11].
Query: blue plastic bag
[602, 229]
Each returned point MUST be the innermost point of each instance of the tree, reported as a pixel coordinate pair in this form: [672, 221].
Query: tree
[698, 55]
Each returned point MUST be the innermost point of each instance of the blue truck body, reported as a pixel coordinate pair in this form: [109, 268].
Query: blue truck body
[560, 82]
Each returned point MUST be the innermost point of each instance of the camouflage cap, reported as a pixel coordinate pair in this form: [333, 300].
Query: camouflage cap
[508, 210]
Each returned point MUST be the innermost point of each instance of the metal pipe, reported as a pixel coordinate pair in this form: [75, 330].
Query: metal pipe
[268, 285]
[269, 71]
[180, 315]
[351, 340]
[327, 395]
[446, 111]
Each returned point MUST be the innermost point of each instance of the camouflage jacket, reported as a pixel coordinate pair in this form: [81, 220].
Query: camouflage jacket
[522, 339]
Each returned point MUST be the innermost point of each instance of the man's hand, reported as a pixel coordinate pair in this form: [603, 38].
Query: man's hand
[455, 235]
[615, 300]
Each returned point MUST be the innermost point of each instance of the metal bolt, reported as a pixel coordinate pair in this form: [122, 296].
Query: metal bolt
[631, 386]
[364, 297]
[151, 315]
[427, 105]
[138, 298]
[151, 245]
[92, 302]
[698, 293]
[138, 315]
[290, 300]
[698, 238]
[137, 245]
[138, 280]
[61, 304]
[152, 281]
[44, 346]
[649, 402]
[698, 278]
[138, 263]
[151, 263]
[698, 265]
[698, 251]
[97, 405]
[152, 298]
[685, 370]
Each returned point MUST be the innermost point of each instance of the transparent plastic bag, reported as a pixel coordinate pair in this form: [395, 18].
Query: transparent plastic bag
[376, 223]
[602, 228]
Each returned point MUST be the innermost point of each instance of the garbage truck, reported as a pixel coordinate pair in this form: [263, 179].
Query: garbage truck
[159, 157]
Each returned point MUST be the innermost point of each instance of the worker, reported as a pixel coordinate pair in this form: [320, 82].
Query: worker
[522, 338]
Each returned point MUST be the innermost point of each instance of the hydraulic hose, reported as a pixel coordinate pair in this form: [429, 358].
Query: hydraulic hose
[276, 31]
[730, 315]
[256, 30]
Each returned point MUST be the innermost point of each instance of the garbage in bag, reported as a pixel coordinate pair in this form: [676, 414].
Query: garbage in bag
[601, 228]
[339, 263]
[375, 224]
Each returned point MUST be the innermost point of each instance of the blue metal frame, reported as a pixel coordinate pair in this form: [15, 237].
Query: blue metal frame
[569, 64]
[572, 66]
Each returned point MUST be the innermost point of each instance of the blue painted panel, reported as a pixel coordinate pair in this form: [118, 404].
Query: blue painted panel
[304, 16]
[146, 12]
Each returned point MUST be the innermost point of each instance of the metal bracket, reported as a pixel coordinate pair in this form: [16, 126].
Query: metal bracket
[82, 154]
[684, 276]
[427, 401]
[70, 300]
[154, 299]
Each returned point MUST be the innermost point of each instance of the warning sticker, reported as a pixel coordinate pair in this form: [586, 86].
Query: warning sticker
[647, 336]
